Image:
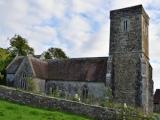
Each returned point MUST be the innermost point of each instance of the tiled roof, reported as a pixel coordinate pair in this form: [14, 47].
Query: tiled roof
[40, 68]
[78, 69]
[14, 65]
[75, 69]
[157, 97]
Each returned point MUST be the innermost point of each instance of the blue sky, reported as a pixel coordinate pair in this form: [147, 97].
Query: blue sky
[79, 27]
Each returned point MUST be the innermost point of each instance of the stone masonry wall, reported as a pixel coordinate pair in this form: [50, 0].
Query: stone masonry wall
[132, 82]
[126, 49]
[96, 91]
[126, 70]
[23, 73]
[35, 100]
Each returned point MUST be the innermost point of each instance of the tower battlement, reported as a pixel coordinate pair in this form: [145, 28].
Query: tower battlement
[129, 10]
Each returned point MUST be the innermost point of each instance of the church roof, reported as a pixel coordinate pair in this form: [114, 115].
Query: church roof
[14, 65]
[74, 69]
[157, 97]
[78, 69]
[39, 67]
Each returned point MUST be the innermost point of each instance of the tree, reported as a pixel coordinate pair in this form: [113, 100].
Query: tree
[52, 53]
[5, 59]
[19, 45]
[47, 55]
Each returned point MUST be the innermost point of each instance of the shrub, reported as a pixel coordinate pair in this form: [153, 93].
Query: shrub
[31, 85]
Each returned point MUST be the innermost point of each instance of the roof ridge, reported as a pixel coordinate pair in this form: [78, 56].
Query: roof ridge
[30, 62]
[15, 58]
[82, 58]
[32, 57]
[19, 66]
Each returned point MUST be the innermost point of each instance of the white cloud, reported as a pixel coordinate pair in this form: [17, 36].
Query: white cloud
[154, 4]
[156, 76]
[80, 6]
[86, 6]
[100, 43]
[42, 37]
[76, 30]
[155, 52]
[116, 4]
[47, 9]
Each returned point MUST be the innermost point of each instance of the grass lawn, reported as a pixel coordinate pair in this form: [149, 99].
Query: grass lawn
[10, 111]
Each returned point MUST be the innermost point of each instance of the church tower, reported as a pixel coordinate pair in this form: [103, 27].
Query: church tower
[131, 70]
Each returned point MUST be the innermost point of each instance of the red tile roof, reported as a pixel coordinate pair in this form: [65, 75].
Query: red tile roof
[40, 68]
[78, 69]
[74, 69]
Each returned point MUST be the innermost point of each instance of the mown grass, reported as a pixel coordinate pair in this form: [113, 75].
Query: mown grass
[10, 111]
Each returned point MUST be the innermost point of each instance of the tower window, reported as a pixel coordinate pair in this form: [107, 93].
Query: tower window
[125, 25]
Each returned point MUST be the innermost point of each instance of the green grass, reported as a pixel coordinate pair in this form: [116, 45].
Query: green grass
[10, 111]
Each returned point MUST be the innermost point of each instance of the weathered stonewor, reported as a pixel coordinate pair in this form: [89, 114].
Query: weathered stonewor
[131, 70]
[35, 100]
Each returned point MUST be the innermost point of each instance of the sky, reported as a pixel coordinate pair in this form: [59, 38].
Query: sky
[79, 27]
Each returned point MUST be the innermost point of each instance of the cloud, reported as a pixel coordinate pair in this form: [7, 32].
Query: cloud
[100, 40]
[155, 52]
[76, 31]
[42, 37]
[49, 9]
[124, 3]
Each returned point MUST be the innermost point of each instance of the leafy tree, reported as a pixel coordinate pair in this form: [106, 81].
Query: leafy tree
[5, 58]
[19, 45]
[52, 53]
[47, 55]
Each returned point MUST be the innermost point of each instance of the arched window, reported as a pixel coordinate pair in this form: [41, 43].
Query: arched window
[85, 92]
[23, 80]
[52, 88]
[125, 24]
[22, 84]
[24, 75]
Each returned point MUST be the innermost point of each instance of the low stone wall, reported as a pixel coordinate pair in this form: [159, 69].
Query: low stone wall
[35, 100]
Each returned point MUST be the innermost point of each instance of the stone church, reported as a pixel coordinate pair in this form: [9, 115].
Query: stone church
[126, 71]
